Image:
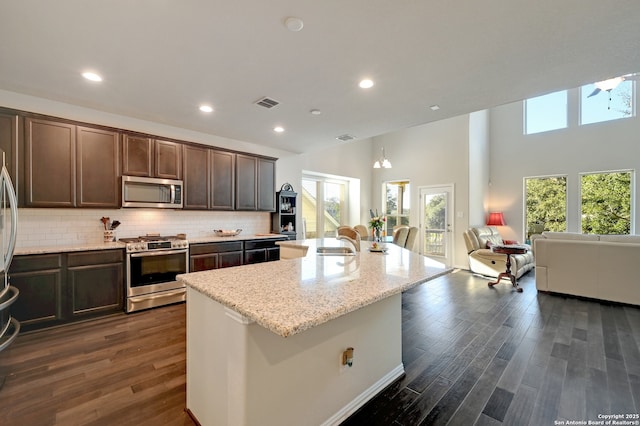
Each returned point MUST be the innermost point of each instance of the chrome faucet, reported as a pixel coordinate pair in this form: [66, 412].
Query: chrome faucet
[356, 242]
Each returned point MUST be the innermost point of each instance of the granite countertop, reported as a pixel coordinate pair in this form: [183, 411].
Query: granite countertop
[118, 245]
[68, 248]
[290, 296]
[241, 237]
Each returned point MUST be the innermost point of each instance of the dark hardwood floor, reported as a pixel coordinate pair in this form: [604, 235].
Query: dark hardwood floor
[120, 370]
[472, 355]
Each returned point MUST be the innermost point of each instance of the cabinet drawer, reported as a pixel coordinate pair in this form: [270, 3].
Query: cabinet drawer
[95, 257]
[215, 247]
[256, 244]
[35, 262]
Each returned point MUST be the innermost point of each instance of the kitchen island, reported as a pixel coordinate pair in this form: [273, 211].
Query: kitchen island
[265, 342]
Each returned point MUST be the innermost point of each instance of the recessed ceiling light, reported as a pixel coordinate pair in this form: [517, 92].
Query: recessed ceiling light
[366, 83]
[434, 107]
[278, 129]
[206, 108]
[315, 112]
[293, 24]
[91, 76]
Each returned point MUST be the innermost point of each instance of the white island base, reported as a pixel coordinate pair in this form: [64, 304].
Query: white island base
[240, 373]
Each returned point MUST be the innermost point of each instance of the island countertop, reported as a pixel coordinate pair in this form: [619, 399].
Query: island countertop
[293, 295]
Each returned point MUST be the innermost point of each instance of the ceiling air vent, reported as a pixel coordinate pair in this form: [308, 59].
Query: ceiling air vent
[346, 137]
[267, 103]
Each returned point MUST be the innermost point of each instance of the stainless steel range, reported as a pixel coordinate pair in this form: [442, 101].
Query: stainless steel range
[152, 265]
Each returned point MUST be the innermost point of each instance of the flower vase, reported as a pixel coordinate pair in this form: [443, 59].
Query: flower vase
[377, 235]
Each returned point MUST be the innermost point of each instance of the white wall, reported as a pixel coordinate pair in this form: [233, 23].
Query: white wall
[427, 155]
[611, 145]
[479, 166]
[351, 160]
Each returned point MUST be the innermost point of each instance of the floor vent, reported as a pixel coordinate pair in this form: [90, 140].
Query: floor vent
[267, 103]
[346, 137]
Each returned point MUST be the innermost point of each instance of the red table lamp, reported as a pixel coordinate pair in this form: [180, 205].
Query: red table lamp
[496, 219]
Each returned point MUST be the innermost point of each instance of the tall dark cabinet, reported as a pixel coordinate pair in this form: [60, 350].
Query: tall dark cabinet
[286, 211]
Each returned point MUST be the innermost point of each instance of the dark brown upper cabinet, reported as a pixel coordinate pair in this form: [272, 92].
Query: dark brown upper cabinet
[246, 176]
[255, 183]
[150, 157]
[266, 185]
[222, 179]
[208, 178]
[195, 179]
[137, 156]
[50, 163]
[70, 166]
[97, 168]
[168, 160]
[9, 139]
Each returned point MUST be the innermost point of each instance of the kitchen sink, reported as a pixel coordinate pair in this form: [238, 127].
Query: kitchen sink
[335, 251]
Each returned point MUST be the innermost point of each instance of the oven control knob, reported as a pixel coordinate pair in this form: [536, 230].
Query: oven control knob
[138, 246]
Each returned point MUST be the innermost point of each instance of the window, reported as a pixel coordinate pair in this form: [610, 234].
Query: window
[546, 204]
[398, 203]
[547, 112]
[606, 202]
[606, 105]
[324, 205]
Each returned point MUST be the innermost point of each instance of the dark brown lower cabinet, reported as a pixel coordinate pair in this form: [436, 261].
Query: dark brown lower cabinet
[266, 250]
[215, 255]
[95, 283]
[64, 287]
[39, 280]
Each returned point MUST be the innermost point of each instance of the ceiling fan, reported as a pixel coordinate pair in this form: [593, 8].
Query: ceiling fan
[610, 84]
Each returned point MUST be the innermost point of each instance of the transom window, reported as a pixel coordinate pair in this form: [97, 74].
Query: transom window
[547, 112]
[601, 105]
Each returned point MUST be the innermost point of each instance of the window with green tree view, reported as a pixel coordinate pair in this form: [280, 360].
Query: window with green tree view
[546, 204]
[606, 202]
[398, 204]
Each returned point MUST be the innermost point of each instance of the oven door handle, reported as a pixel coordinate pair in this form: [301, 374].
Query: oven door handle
[157, 253]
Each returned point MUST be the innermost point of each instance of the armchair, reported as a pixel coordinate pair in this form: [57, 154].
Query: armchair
[484, 262]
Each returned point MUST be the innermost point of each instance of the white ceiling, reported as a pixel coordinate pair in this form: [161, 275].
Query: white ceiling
[161, 58]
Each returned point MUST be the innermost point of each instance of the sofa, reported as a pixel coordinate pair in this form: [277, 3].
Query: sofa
[485, 262]
[604, 267]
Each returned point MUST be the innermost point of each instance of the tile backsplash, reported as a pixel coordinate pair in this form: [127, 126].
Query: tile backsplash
[52, 227]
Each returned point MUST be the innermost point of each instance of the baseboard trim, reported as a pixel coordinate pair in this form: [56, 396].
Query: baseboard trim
[365, 396]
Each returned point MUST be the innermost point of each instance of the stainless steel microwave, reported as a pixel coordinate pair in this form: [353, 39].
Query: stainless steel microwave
[151, 192]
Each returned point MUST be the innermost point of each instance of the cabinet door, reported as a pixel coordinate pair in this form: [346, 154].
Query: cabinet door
[273, 253]
[228, 259]
[246, 175]
[9, 144]
[203, 262]
[39, 280]
[222, 180]
[196, 177]
[266, 185]
[95, 289]
[137, 156]
[255, 256]
[50, 161]
[168, 160]
[98, 168]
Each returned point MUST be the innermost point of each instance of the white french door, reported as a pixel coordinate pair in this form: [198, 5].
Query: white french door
[436, 223]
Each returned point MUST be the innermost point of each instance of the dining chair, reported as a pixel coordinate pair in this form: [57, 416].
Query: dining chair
[411, 238]
[400, 234]
[362, 230]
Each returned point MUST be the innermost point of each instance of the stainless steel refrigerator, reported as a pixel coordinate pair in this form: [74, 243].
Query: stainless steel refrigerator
[9, 326]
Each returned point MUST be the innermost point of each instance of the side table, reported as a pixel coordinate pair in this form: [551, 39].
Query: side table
[508, 250]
